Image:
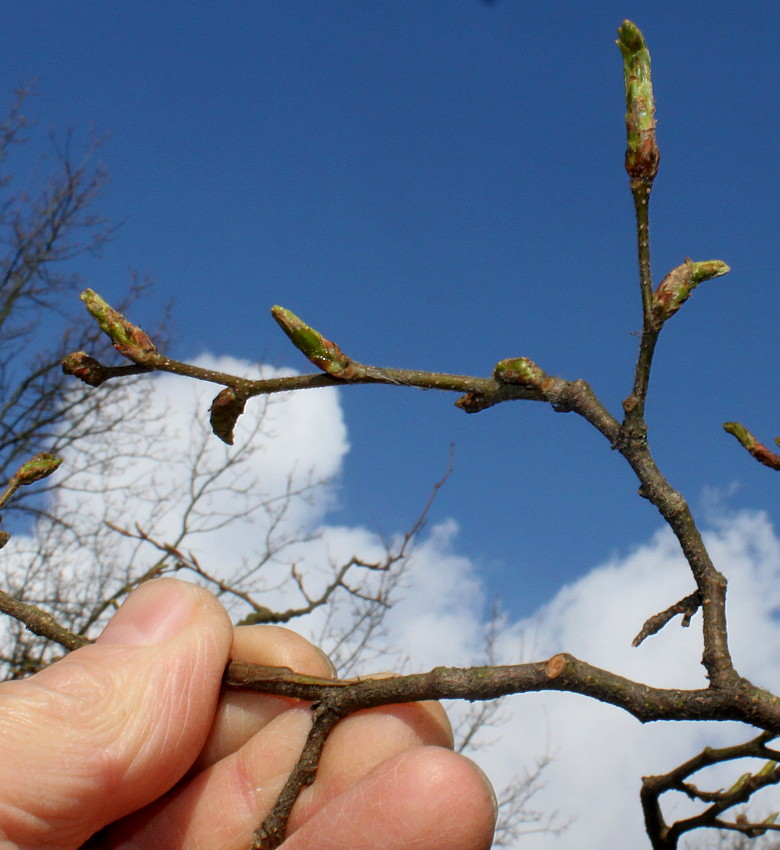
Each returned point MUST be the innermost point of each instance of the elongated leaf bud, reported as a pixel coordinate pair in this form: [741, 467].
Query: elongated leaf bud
[323, 353]
[677, 286]
[642, 154]
[738, 785]
[129, 340]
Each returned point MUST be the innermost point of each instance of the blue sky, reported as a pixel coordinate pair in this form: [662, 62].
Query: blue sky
[440, 186]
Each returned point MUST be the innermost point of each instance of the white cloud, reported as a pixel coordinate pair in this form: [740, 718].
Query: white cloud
[599, 752]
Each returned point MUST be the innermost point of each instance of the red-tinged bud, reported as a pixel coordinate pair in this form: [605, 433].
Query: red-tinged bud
[323, 353]
[759, 451]
[85, 368]
[129, 340]
[677, 286]
[38, 467]
[642, 154]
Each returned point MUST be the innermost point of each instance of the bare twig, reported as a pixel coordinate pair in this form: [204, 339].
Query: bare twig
[687, 607]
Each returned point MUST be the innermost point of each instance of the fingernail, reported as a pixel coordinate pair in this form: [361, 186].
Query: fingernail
[154, 613]
[331, 665]
[489, 786]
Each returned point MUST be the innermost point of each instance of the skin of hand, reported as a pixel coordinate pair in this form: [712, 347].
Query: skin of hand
[132, 743]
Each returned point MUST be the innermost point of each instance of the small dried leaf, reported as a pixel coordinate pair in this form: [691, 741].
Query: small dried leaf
[224, 412]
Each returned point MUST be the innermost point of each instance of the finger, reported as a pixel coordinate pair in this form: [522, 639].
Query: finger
[425, 797]
[363, 741]
[112, 726]
[241, 714]
[223, 805]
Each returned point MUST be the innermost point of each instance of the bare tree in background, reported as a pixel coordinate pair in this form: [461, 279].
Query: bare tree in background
[730, 841]
[71, 562]
[75, 555]
[44, 223]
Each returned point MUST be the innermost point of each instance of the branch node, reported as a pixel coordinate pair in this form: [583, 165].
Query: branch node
[555, 665]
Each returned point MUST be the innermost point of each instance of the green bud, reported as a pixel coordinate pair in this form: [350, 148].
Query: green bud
[741, 433]
[38, 467]
[708, 269]
[675, 289]
[323, 353]
[642, 154]
[129, 340]
[739, 784]
[520, 370]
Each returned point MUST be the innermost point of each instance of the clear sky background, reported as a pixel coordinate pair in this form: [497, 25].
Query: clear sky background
[439, 185]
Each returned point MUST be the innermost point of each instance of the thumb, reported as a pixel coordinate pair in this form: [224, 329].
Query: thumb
[112, 726]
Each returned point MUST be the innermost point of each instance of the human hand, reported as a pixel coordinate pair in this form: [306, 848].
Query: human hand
[96, 743]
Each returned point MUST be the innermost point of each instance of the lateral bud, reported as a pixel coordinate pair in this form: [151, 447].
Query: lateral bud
[85, 368]
[520, 370]
[40, 466]
[129, 340]
[675, 289]
[738, 785]
[323, 353]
